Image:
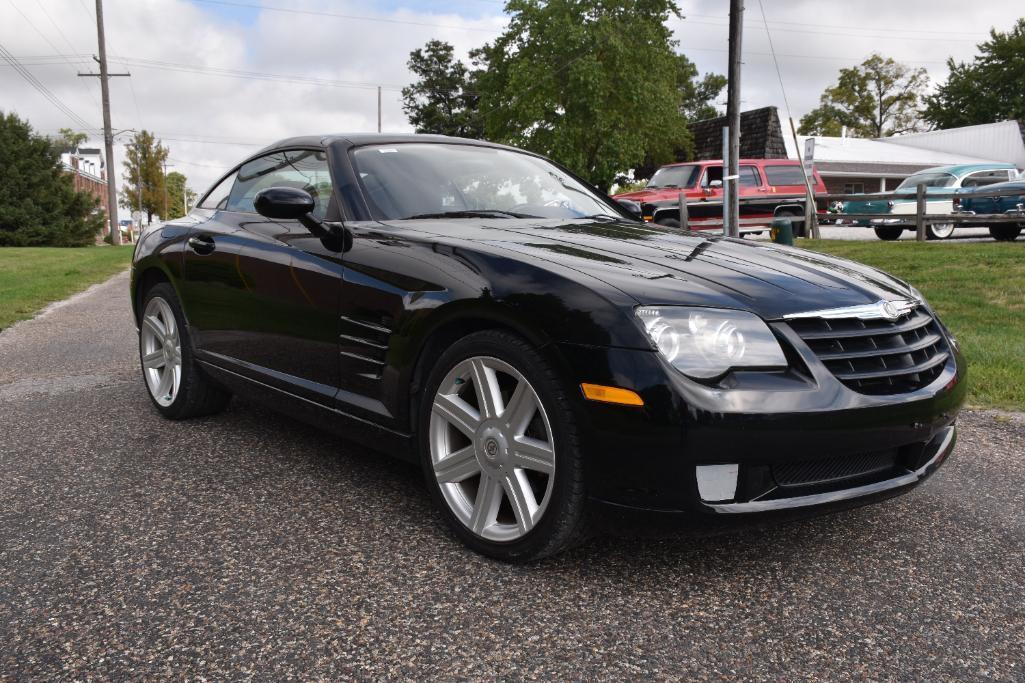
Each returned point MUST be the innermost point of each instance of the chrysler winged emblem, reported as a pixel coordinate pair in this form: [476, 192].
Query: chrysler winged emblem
[880, 310]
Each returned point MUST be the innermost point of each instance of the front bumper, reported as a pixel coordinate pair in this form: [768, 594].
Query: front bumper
[642, 464]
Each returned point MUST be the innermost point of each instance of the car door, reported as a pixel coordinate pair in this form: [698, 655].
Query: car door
[275, 317]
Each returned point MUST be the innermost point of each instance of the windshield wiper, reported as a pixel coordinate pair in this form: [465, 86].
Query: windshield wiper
[470, 213]
[606, 216]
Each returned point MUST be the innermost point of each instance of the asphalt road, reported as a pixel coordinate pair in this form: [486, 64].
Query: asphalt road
[249, 545]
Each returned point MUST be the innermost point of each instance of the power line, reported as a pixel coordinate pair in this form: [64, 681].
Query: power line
[43, 90]
[43, 36]
[848, 27]
[289, 10]
[848, 34]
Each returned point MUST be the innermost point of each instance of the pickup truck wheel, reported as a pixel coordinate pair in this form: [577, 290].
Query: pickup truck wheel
[939, 231]
[796, 221]
[668, 222]
[889, 234]
[1006, 232]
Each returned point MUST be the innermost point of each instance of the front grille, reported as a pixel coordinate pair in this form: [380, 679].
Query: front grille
[877, 356]
[833, 469]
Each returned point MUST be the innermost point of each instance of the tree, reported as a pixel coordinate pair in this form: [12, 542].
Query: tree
[697, 96]
[39, 205]
[590, 83]
[68, 140]
[990, 89]
[442, 100]
[878, 98]
[178, 193]
[144, 168]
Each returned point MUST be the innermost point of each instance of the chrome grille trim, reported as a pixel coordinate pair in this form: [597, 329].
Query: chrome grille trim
[877, 356]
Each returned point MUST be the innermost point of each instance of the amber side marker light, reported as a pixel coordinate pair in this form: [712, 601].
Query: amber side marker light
[604, 394]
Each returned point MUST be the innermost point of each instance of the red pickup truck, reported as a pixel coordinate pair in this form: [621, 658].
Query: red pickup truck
[778, 181]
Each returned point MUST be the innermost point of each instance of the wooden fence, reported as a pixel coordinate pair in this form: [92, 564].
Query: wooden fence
[917, 220]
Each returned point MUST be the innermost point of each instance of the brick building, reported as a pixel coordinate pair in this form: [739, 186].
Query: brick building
[89, 175]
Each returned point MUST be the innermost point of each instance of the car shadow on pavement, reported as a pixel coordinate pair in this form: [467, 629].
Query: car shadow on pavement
[392, 492]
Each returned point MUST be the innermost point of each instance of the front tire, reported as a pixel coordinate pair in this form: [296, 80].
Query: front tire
[499, 449]
[1006, 232]
[176, 385]
[889, 234]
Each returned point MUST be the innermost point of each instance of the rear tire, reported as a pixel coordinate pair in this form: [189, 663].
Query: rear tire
[500, 451]
[889, 234]
[668, 222]
[174, 381]
[940, 231]
[1006, 232]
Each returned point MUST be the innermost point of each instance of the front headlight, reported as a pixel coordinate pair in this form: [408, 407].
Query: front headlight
[706, 342]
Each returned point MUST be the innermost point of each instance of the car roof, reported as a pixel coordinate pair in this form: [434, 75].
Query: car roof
[961, 169]
[764, 162]
[359, 139]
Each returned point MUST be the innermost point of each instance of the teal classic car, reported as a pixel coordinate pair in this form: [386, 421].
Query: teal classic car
[940, 180]
[971, 202]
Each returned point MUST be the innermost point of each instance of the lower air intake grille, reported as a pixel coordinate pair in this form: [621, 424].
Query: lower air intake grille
[877, 356]
[833, 469]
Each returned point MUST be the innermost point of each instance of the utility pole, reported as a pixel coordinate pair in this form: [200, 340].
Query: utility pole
[163, 217]
[378, 109]
[108, 134]
[730, 185]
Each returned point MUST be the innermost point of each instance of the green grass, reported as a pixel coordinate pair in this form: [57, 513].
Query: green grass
[32, 277]
[979, 292]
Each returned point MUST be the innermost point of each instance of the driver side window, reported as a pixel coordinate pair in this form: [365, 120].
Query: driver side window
[302, 169]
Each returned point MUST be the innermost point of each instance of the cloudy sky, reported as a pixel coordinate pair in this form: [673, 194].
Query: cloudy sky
[217, 79]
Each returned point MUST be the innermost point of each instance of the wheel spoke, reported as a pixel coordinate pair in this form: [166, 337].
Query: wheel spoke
[520, 408]
[457, 412]
[485, 381]
[155, 326]
[166, 383]
[458, 466]
[532, 454]
[176, 377]
[521, 498]
[154, 359]
[485, 507]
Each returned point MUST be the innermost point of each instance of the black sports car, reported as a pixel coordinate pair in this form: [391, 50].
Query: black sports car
[552, 363]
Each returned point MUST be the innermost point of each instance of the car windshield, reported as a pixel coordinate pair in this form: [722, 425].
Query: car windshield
[675, 176]
[929, 180]
[417, 180]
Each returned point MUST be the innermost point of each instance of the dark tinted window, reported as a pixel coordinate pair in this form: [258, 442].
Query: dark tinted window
[784, 175]
[218, 197]
[712, 173]
[749, 176]
[302, 169]
[985, 178]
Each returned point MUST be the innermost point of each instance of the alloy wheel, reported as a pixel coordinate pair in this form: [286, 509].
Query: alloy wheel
[160, 344]
[492, 449]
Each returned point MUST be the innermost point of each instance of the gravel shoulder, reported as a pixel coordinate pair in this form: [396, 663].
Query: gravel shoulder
[250, 545]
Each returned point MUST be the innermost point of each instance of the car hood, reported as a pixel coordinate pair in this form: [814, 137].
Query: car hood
[652, 195]
[674, 267]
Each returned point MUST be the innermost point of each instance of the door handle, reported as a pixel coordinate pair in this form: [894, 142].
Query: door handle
[201, 244]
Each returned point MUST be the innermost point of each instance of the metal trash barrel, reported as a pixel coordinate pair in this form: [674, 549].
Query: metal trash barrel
[782, 231]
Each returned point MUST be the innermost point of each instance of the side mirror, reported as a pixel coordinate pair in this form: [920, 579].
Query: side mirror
[283, 203]
[291, 203]
[714, 184]
[633, 208]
